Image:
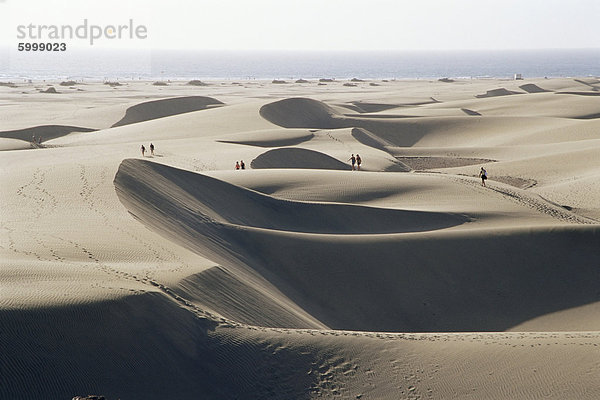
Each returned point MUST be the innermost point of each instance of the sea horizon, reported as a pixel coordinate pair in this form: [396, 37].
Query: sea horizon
[145, 64]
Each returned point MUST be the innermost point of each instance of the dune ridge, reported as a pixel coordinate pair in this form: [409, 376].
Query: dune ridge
[417, 295]
[206, 197]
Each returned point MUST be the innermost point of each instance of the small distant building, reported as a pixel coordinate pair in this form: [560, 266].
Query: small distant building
[518, 77]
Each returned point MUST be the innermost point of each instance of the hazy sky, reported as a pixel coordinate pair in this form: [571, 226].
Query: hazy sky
[323, 24]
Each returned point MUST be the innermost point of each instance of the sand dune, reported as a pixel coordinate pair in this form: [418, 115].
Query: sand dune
[164, 108]
[438, 295]
[415, 191]
[591, 82]
[176, 276]
[365, 107]
[270, 138]
[368, 139]
[13, 144]
[496, 93]
[205, 195]
[45, 132]
[533, 88]
[297, 158]
[532, 105]
[201, 124]
[299, 113]
[406, 131]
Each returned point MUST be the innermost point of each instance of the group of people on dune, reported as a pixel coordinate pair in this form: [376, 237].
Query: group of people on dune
[240, 165]
[143, 148]
[356, 161]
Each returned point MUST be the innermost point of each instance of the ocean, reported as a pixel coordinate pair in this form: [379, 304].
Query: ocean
[103, 64]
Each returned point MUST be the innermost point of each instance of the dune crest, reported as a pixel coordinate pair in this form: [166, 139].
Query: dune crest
[415, 293]
[215, 202]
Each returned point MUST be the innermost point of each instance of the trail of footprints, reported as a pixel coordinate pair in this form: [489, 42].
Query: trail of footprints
[42, 203]
[34, 192]
[92, 202]
[531, 201]
[195, 164]
[87, 193]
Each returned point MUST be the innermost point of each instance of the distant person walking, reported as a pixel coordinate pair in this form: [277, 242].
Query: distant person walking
[242, 165]
[353, 159]
[237, 165]
[358, 161]
[143, 150]
[151, 149]
[483, 176]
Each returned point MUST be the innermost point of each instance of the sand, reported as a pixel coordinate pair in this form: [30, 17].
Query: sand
[175, 276]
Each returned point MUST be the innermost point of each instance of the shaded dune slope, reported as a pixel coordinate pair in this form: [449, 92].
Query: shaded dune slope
[270, 138]
[196, 210]
[470, 112]
[496, 93]
[533, 88]
[218, 202]
[403, 131]
[435, 281]
[310, 113]
[479, 281]
[368, 139]
[367, 107]
[106, 347]
[46, 132]
[297, 158]
[165, 108]
[300, 113]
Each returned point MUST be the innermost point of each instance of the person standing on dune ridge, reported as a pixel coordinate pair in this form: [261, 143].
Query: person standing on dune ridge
[143, 150]
[358, 161]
